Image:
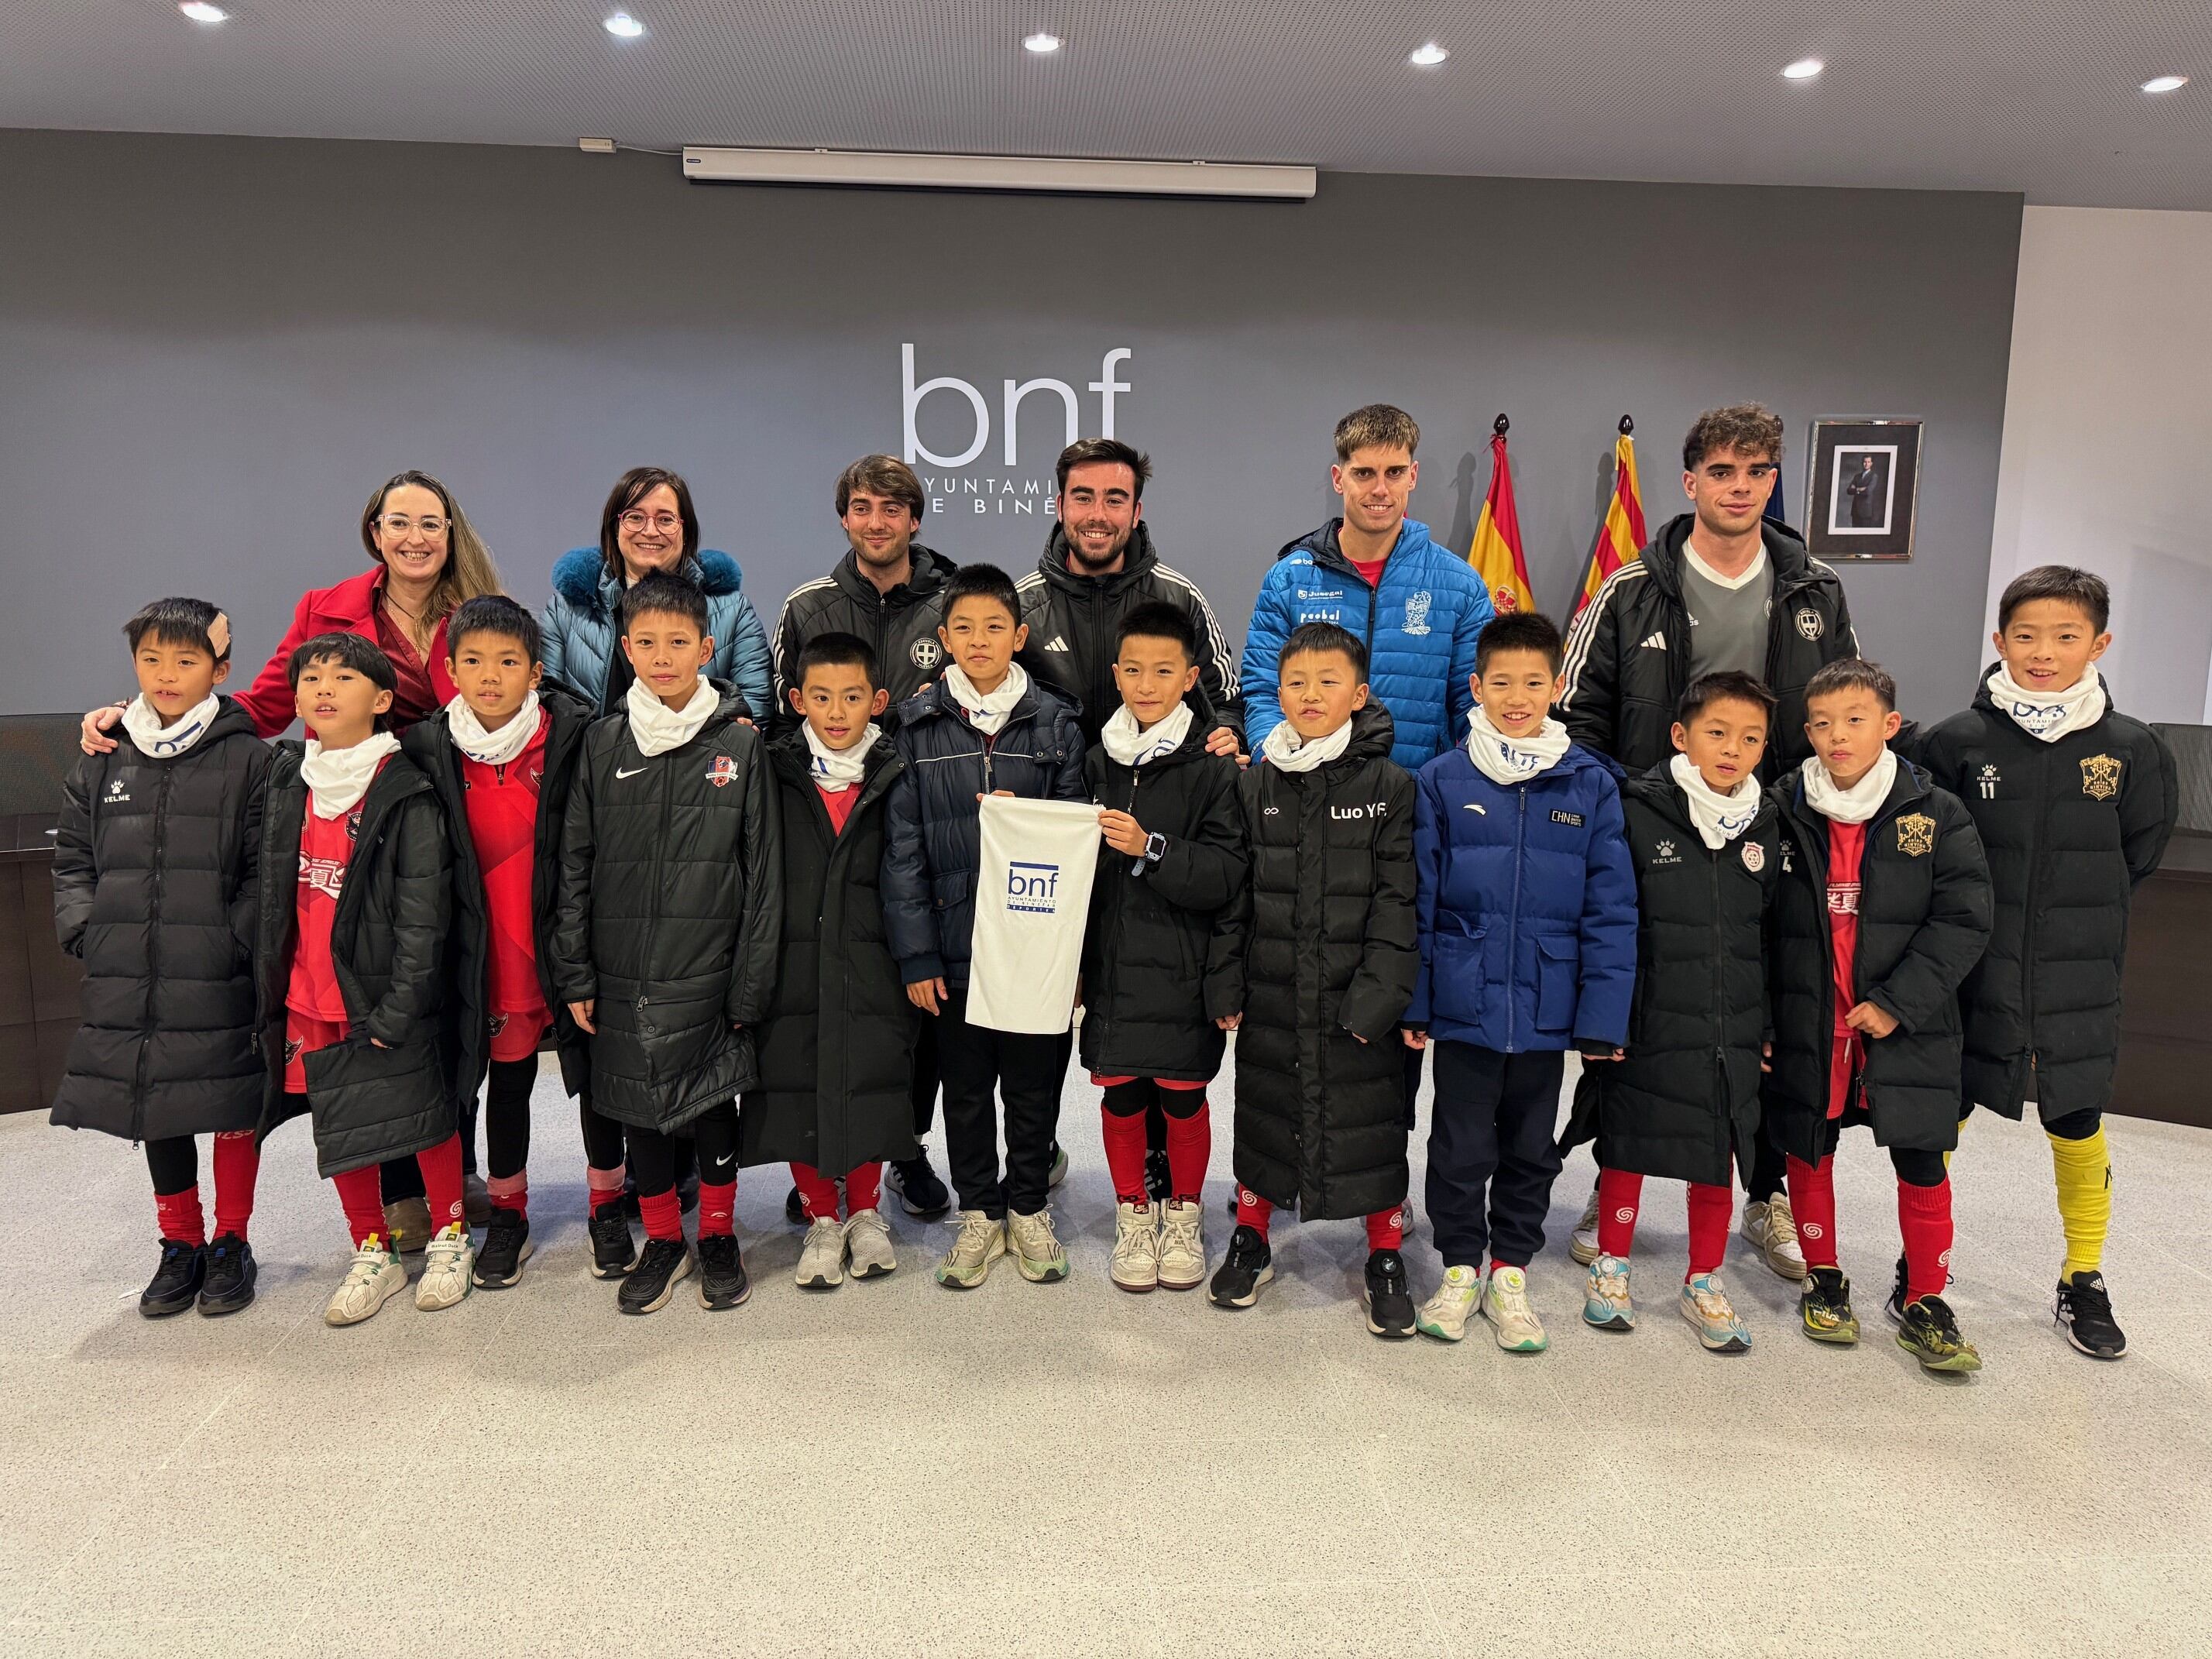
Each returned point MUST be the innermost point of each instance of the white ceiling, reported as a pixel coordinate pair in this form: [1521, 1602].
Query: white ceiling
[2037, 96]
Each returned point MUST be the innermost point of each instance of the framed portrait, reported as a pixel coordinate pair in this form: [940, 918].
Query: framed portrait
[1862, 488]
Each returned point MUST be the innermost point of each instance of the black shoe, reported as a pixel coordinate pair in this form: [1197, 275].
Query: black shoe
[795, 1208]
[176, 1282]
[613, 1255]
[1159, 1182]
[506, 1247]
[1388, 1298]
[1823, 1307]
[920, 1193]
[1248, 1264]
[2084, 1311]
[722, 1282]
[231, 1270]
[1895, 1306]
[687, 1192]
[653, 1281]
[1931, 1334]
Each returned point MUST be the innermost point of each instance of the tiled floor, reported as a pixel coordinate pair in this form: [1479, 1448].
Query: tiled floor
[1065, 1469]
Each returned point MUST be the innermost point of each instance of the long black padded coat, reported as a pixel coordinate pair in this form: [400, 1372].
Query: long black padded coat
[1924, 919]
[429, 744]
[668, 913]
[1145, 1011]
[1320, 954]
[157, 868]
[2071, 829]
[1684, 1100]
[369, 1103]
[836, 1049]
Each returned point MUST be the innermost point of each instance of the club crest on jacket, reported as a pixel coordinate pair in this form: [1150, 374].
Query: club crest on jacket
[723, 771]
[926, 653]
[1810, 625]
[1754, 857]
[2100, 777]
[1916, 835]
[1417, 610]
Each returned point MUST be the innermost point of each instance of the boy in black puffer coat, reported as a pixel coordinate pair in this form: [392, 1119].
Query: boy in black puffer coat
[1173, 861]
[156, 874]
[2075, 802]
[1315, 966]
[1882, 911]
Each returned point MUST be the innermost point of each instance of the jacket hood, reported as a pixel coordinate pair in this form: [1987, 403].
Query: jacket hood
[1323, 544]
[929, 571]
[1373, 732]
[1137, 560]
[1785, 550]
[229, 719]
[580, 576]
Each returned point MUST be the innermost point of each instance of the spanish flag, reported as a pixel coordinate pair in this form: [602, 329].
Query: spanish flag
[1620, 537]
[1495, 554]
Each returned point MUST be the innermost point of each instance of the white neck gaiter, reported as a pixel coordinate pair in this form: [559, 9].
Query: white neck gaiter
[337, 778]
[158, 742]
[656, 728]
[2050, 714]
[491, 748]
[1513, 760]
[1856, 804]
[1131, 746]
[986, 712]
[1719, 819]
[1283, 747]
[838, 769]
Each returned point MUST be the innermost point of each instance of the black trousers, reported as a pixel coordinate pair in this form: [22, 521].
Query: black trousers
[925, 1076]
[1492, 1153]
[507, 1115]
[175, 1163]
[1762, 1176]
[657, 1159]
[1915, 1167]
[603, 1136]
[1144, 1094]
[981, 1067]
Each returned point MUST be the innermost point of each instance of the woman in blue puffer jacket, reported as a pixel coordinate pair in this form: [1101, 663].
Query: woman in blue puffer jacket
[648, 525]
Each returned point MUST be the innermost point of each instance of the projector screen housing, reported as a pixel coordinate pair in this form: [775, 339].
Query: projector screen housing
[710, 164]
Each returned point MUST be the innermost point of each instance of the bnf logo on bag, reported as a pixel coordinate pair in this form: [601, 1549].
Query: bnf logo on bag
[1034, 888]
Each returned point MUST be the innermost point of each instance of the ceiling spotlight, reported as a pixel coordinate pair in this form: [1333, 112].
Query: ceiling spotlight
[624, 26]
[200, 12]
[2166, 84]
[1428, 56]
[1803, 69]
[1041, 43]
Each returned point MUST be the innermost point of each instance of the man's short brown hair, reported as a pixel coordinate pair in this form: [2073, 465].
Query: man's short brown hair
[1747, 428]
[880, 475]
[1091, 452]
[1379, 426]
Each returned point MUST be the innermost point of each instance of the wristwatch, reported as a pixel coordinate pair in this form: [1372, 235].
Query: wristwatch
[1156, 846]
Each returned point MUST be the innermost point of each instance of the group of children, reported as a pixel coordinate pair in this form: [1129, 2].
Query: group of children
[731, 940]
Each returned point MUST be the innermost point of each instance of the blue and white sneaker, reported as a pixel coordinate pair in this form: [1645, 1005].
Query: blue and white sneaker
[1605, 1301]
[1705, 1306]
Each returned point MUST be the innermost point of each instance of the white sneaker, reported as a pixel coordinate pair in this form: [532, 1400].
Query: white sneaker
[1584, 1246]
[980, 1242]
[1182, 1245]
[1037, 1248]
[822, 1257]
[1444, 1315]
[1505, 1304]
[868, 1242]
[1135, 1265]
[1772, 1230]
[448, 1268]
[372, 1280]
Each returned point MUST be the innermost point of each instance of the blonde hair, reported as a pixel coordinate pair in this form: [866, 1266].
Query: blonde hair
[469, 574]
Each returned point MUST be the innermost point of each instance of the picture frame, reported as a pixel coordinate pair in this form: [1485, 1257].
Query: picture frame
[1862, 488]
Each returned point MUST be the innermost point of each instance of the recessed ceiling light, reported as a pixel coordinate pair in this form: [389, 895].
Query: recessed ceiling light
[1428, 56]
[200, 12]
[1803, 69]
[2166, 84]
[1041, 43]
[624, 26]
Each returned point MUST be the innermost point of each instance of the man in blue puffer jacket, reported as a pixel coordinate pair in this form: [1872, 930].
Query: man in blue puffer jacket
[1416, 606]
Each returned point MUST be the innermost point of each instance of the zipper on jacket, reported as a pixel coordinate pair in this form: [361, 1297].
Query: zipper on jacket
[152, 950]
[652, 926]
[2028, 927]
[1720, 991]
[1513, 921]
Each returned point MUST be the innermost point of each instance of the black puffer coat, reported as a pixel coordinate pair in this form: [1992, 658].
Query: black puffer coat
[1145, 1012]
[156, 888]
[932, 835]
[900, 626]
[668, 913]
[1924, 919]
[429, 744]
[836, 1050]
[2070, 827]
[1685, 1098]
[370, 1102]
[1320, 954]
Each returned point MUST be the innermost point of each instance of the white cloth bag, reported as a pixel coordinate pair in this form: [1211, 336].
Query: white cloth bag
[1032, 898]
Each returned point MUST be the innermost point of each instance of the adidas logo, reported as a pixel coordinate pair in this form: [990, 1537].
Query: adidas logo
[1057, 642]
[1656, 642]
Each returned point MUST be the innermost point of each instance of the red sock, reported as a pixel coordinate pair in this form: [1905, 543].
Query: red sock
[1923, 1216]
[510, 1192]
[181, 1220]
[718, 1208]
[1253, 1211]
[1385, 1229]
[663, 1214]
[1711, 1208]
[1190, 1149]
[605, 1186]
[816, 1191]
[361, 1191]
[1812, 1200]
[441, 1182]
[1125, 1155]
[237, 1167]
[864, 1187]
[1619, 1196]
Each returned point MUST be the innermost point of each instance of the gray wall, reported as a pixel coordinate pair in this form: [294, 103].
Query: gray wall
[212, 349]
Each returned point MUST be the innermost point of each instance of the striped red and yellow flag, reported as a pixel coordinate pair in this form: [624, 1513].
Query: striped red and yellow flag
[1620, 537]
[1495, 553]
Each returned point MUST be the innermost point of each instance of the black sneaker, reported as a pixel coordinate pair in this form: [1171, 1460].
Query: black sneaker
[1159, 1182]
[1387, 1296]
[1931, 1334]
[722, 1282]
[176, 1282]
[653, 1281]
[1248, 1264]
[2084, 1311]
[1895, 1306]
[795, 1208]
[506, 1247]
[920, 1193]
[1824, 1306]
[231, 1270]
[613, 1255]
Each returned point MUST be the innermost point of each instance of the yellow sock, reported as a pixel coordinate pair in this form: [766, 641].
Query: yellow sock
[2084, 1169]
[1962, 1130]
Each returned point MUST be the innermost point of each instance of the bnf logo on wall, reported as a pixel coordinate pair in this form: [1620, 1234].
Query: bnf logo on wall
[1010, 492]
[1033, 887]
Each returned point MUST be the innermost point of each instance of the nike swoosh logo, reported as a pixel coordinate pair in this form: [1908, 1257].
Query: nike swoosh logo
[632, 772]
